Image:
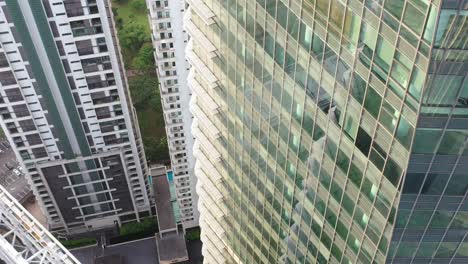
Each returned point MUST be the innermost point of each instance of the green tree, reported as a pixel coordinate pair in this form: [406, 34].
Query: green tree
[119, 22]
[138, 5]
[144, 61]
[115, 11]
[132, 36]
[143, 89]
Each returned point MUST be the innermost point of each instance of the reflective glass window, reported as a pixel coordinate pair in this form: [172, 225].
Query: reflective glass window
[373, 102]
[414, 18]
[452, 142]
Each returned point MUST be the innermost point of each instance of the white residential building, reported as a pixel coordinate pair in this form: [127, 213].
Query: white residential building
[169, 41]
[67, 111]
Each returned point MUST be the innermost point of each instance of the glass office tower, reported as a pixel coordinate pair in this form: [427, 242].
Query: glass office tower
[331, 131]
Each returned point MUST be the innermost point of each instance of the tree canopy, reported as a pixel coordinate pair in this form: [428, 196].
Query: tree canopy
[144, 61]
[132, 36]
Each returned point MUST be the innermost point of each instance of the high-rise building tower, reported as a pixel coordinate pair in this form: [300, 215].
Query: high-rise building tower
[66, 109]
[169, 41]
[331, 131]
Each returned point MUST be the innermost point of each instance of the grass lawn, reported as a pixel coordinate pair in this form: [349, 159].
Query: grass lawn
[150, 122]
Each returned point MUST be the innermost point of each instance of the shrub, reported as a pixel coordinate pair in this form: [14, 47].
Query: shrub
[147, 227]
[119, 22]
[115, 11]
[156, 150]
[138, 5]
[79, 242]
[192, 234]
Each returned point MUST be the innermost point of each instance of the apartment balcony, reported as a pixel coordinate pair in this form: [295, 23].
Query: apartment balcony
[162, 67]
[200, 116]
[177, 149]
[157, 8]
[216, 224]
[206, 165]
[160, 49]
[209, 186]
[182, 185]
[173, 123]
[169, 110]
[203, 11]
[183, 195]
[206, 146]
[208, 202]
[173, 113]
[161, 58]
[175, 130]
[180, 151]
[177, 144]
[160, 18]
[205, 98]
[183, 181]
[184, 178]
[180, 169]
[170, 90]
[187, 206]
[163, 76]
[200, 67]
[171, 99]
[171, 138]
[196, 34]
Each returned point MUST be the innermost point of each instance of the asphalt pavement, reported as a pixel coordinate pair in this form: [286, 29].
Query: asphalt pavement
[14, 182]
[134, 252]
[194, 249]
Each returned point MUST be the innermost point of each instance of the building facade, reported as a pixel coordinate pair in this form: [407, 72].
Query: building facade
[66, 109]
[169, 42]
[331, 131]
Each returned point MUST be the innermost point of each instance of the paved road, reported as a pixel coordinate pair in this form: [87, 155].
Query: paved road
[139, 252]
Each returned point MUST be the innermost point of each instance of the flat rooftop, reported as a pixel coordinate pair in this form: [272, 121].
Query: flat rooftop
[172, 248]
[169, 242]
[162, 196]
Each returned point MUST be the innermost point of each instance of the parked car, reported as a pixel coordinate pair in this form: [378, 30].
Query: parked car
[9, 166]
